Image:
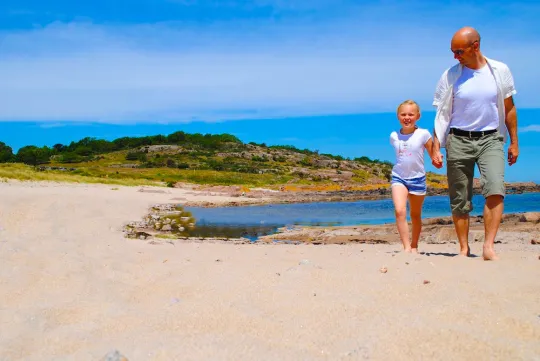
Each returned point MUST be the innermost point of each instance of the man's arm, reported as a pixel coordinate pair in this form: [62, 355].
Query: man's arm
[511, 124]
[435, 154]
[440, 91]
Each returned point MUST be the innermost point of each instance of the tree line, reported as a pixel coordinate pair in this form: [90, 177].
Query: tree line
[88, 148]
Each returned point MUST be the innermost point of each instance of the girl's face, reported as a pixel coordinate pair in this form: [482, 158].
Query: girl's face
[408, 115]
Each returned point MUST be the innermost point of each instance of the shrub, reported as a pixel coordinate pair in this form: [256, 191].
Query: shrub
[171, 163]
[256, 158]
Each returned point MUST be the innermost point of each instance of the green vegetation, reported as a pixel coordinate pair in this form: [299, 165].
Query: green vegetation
[214, 159]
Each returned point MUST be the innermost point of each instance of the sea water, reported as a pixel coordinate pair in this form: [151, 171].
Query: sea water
[254, 221]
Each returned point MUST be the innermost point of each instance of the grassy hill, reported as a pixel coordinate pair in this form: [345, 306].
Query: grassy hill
[195, 158]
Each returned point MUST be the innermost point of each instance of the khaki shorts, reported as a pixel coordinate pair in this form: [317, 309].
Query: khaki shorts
[462, 153]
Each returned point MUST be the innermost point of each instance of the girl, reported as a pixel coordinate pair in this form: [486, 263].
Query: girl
[409, 174]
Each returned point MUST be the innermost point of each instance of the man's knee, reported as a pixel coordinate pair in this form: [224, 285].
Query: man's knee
[461, 207]
[460, 192]
[492, 165]
[494, 187]
[494, 200]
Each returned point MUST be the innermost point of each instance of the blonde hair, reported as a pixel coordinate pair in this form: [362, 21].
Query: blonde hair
[409, 102]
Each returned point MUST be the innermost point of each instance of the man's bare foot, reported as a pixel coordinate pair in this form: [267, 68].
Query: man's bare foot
[489, 254]
[465, 252]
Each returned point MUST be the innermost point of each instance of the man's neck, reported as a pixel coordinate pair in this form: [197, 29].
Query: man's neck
[479, 62]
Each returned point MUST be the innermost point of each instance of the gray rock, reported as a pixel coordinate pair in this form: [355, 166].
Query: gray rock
[533, 217]
[439, 220]
[114, 355]
[448, 234]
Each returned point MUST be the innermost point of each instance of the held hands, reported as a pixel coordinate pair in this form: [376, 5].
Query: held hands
[513, 152]
[437, 159]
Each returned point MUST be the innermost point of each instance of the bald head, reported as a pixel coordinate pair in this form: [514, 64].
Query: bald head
[466, 35]
[466, 48]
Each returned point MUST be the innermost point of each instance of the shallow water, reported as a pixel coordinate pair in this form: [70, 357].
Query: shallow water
[254, 221]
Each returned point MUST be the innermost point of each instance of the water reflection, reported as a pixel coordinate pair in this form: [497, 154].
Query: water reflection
[233, 231]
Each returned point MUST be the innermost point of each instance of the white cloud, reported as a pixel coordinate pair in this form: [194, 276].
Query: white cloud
[180, 72]
[530, 128]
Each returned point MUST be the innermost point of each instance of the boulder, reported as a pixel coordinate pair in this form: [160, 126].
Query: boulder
[533, 217]
[448, 234]
[436, 221]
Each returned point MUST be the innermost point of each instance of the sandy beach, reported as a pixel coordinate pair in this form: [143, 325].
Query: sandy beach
[72, 287]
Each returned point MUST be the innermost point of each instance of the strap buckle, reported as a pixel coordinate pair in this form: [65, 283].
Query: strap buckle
[482, 133]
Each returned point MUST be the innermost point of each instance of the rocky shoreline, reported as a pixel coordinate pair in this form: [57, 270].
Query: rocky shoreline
[515, 227]
[170, 223]
[270, 196]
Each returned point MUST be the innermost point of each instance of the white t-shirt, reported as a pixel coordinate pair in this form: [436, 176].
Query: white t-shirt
[409, 153]
[475, 100]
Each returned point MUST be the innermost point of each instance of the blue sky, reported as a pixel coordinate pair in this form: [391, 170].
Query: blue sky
[307, 68]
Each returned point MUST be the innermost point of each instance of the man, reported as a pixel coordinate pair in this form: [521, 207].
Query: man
[475, 115]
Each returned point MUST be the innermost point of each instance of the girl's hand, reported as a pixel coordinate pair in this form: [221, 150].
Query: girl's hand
[437, 159]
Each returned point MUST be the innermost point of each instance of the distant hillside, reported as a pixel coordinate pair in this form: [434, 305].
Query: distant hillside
[204, 159]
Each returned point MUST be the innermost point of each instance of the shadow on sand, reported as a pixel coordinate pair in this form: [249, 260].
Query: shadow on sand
[446, 254]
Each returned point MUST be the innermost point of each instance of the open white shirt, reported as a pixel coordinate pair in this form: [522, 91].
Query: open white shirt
[444, 99]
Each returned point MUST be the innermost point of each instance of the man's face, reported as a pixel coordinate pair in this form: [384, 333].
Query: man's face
[464, 50]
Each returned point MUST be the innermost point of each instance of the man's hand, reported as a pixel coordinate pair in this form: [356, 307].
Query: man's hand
[437, 159]
[511, 125]
[513, 152]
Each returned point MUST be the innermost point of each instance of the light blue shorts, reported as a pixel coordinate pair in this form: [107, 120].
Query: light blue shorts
[416, 186]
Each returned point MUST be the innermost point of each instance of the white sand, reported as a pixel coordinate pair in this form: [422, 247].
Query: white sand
[72, 288]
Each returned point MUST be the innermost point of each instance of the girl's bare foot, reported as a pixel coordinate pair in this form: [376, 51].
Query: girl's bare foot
[414, 250]
[489, 254]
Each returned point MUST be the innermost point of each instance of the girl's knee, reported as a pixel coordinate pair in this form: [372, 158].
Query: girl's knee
[401, 213]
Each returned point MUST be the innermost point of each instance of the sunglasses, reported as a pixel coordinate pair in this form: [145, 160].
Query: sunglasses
[460, 52]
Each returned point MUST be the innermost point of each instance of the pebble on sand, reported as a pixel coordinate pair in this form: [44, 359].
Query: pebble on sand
[114, 355]
[383, 270]
[426, 282]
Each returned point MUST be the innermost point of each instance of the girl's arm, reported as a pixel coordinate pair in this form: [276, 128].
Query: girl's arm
[429, 147]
